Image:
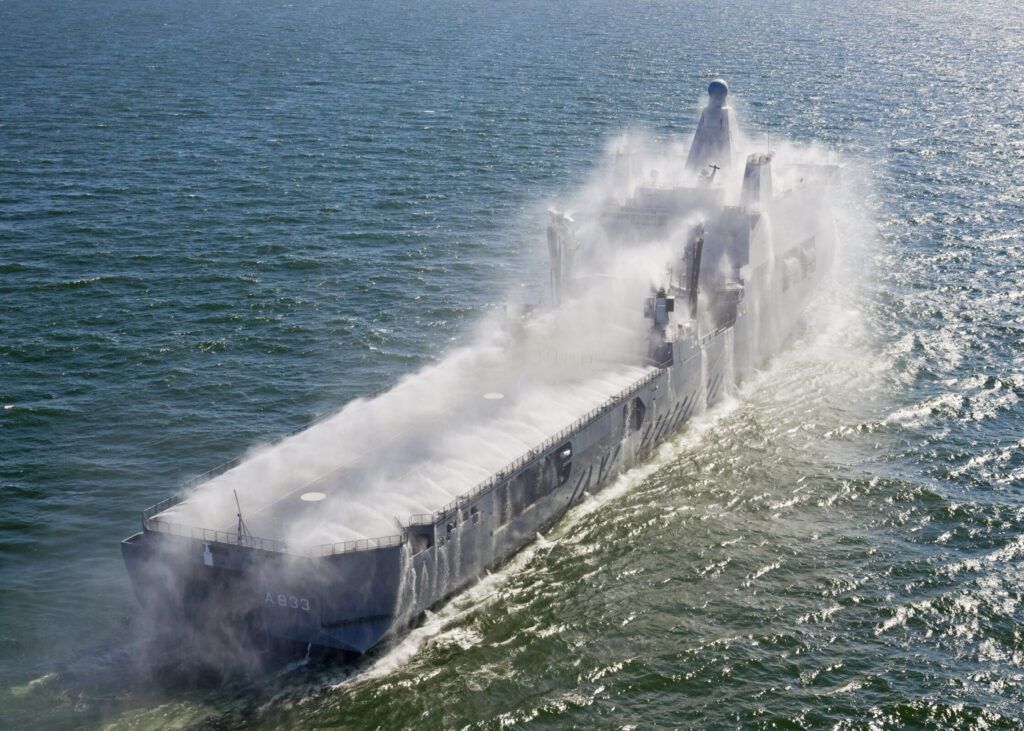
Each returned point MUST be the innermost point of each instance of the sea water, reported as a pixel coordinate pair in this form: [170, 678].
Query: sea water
[219, 221]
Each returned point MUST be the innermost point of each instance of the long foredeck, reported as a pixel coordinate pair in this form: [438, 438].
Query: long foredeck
[423, 491]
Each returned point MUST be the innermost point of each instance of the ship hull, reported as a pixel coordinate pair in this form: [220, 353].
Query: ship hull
[351, 601]
[353, 597]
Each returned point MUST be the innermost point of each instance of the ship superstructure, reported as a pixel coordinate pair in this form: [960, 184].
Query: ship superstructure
[347, 532]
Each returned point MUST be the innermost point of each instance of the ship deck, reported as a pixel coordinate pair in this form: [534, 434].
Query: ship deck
[412, 450]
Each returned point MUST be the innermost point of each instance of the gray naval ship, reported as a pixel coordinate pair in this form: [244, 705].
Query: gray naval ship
[345, 533]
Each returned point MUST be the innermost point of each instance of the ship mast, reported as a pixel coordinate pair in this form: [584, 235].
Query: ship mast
[243, 532]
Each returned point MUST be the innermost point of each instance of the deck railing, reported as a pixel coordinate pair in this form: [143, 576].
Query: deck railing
[232, 538]
[534, 454]
[151, 523]
[208, 535]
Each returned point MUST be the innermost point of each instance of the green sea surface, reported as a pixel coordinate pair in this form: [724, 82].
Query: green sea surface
[221, 220]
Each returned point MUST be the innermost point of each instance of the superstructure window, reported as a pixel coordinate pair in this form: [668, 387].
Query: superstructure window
[561, 462]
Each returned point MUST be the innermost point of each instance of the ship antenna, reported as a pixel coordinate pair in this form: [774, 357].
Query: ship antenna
[243, 532]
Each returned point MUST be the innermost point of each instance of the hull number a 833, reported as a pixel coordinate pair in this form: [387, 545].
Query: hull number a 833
[287, 601]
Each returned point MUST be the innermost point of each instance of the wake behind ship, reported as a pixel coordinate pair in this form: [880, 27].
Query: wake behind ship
[669, 284]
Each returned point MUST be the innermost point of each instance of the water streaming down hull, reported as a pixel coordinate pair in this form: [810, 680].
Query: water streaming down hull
[350, 530]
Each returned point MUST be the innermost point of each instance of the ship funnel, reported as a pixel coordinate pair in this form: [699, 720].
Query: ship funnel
[757, 182]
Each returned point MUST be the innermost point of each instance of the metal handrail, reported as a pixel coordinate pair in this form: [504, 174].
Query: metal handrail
[705, 339]
[162, 506]
[151, 523]
[273, 545]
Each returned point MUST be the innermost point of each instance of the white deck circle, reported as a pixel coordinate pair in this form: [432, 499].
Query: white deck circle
[312, 497]
[494, 396]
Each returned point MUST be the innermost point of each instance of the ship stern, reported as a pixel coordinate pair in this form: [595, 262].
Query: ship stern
[343, 599]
